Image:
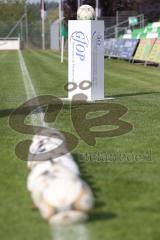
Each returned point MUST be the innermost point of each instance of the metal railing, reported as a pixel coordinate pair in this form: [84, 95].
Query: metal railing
[118, 28]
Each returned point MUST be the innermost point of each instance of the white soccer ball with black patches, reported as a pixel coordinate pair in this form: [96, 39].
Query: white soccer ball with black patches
[85, 12]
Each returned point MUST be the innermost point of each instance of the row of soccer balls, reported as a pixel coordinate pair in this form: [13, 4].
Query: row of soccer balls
[85, 12]
[54, 180]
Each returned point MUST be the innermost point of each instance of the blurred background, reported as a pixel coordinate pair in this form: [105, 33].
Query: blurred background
[23, 18]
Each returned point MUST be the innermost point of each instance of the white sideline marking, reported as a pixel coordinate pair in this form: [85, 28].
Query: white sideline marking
[71, 232]
[38, 116]
[30, 91]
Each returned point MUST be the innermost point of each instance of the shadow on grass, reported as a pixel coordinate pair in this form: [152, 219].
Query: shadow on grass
[40, 109]
[133, 94]
[101, 216]
[98, 214]
[67, 106]
[5, 112]
[88, 178]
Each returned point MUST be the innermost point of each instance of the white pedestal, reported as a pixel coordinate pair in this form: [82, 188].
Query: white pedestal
[86, 59]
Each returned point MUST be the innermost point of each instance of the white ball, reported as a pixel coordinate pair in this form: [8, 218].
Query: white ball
[86, 12]
[41, 147]
[69, 193]
[55, 190]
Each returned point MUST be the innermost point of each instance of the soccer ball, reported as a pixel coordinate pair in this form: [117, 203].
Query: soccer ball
[60, 196]
[41, 147]
[85, 12]
[54, 180]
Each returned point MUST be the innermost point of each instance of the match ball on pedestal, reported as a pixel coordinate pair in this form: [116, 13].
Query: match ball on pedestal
[85, 12]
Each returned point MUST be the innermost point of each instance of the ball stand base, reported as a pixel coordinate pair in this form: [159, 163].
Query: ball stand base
[90, 101]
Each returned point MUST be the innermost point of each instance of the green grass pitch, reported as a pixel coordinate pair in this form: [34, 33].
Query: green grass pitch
[127, 188]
